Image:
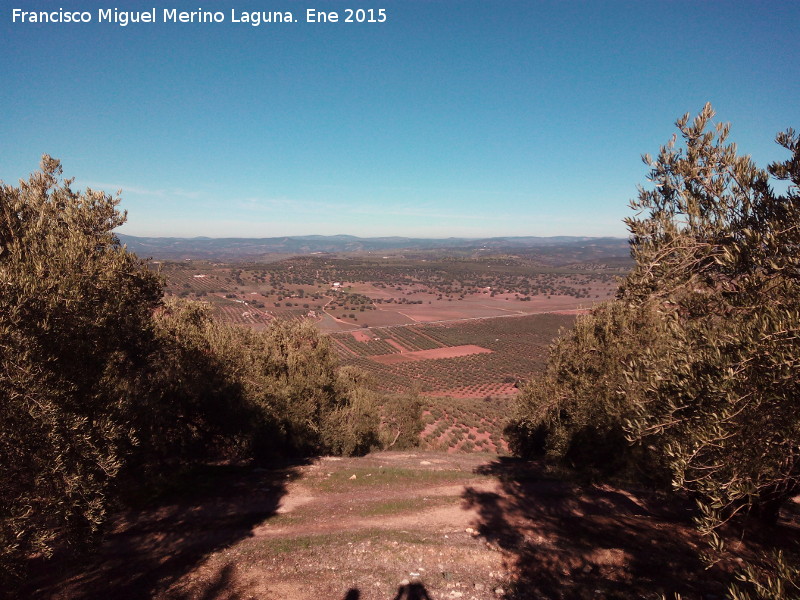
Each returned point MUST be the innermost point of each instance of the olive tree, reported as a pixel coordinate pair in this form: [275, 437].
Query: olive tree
[102, 382]
[575, 411]
[75, 310]
[719, 251]
[698, 357]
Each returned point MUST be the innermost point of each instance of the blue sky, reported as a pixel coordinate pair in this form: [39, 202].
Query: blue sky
[452, 118]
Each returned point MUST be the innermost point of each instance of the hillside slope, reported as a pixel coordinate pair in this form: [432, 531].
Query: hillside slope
[396, 526]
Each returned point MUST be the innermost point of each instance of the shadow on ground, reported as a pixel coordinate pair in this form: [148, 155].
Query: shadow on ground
[411, 591]
[147, 550]
[566, 540]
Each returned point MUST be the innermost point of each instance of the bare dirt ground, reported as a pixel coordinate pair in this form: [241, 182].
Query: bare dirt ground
[477, 308]
[448, 352]
[360, 336]
[396, 344]
[452, 310]
[391, 525]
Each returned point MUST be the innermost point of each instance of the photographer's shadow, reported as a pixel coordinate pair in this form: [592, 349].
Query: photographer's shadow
[410, 591]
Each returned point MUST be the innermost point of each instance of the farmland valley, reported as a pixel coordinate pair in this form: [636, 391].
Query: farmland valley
[462, 329]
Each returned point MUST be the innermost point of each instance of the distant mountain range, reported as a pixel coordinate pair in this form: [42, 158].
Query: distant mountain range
[583, 248]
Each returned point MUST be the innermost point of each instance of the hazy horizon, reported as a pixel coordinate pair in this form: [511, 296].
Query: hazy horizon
[335, 235]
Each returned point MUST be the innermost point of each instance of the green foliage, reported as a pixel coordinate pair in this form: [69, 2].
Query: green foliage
[316, 409]
[352, 426]
[717, 248]
[700, 350]
[194, 404]
[74, 324]
[267, 392]
[698, 359]
[575, 411]
[402, 419]
[774, 579]
[103, 386]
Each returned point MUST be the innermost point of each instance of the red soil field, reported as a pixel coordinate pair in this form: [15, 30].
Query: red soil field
[361, 336]
[396, 345]
[451, 352]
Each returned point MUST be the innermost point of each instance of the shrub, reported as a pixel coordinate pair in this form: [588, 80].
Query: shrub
[699, 356]
[74, 326]
[102, 384]
[717, 248]
[576, 410]
[402, 418]
[289, 373]
[352, 426]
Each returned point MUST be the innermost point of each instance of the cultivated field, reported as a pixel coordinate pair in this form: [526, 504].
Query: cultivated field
[345, 293]
[463, 333]
[465, 425]
[467, 359]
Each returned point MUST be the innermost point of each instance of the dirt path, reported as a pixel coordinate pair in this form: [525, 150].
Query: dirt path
[330, 529]
[398, 526]
[364, 528]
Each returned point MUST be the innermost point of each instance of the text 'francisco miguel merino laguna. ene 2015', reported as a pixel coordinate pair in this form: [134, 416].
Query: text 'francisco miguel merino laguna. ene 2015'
[173, 15]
